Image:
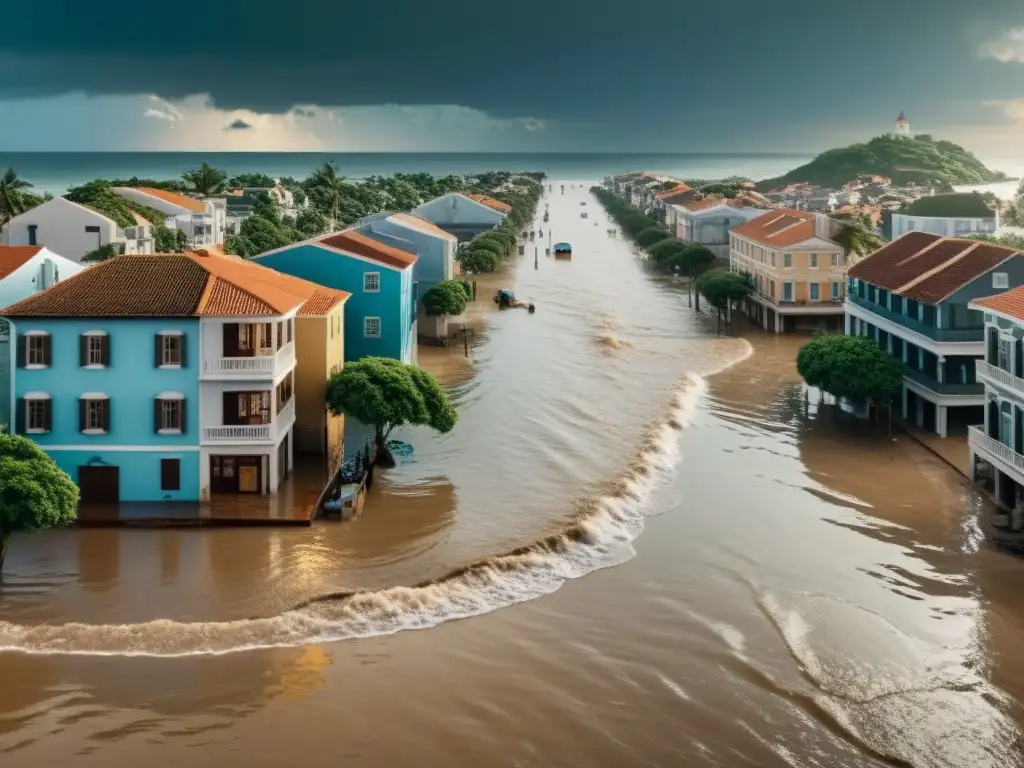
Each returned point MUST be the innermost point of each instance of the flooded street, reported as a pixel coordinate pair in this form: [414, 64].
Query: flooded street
[662, 553]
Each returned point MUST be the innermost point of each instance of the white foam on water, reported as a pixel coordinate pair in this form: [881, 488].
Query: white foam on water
[600, 538]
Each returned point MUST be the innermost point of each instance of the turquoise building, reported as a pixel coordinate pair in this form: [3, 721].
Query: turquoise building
[380, 315]
[24, 270]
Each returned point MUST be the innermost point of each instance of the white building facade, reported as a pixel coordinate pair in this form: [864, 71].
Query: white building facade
[202, 221]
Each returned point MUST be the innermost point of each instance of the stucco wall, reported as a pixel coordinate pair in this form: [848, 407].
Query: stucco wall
[60, 226]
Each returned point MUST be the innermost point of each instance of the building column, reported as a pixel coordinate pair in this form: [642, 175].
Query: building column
[941, 372]
[846, 324]
[906, 415]
[779, 322]
[972, 463]
[941, 413]
[919, 412]
[998, 486]
[270, 462]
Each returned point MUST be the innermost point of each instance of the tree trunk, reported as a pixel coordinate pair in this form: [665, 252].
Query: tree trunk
[4, 538]
[383, 457]
[696, 297]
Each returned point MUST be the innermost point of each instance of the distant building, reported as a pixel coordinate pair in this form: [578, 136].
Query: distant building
[202, 221]
[914, 297]
[797, 268]
[959, 214]
[902, 125]
[710, 220]
[464, 216]
[73, 230]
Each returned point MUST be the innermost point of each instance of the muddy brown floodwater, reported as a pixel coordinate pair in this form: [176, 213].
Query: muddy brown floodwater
[654, 564]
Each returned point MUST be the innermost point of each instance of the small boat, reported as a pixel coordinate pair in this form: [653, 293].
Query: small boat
[583, 215]
[545, 218]
[563, 251]
[583, 202]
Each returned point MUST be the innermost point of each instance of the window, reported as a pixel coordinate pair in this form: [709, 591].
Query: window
[94, 350]
[170, 474]
[371, 282]
[170, 350]
[836, 292]
[813, 261]
[93, 230]
[787, 291]
[284, 391]
[37, 350]
[169, 413]
[787, 260]
[371, 327]
[1000, 280]
[815, 292]
[32, 229]
[38, 413]
[94, 414]
[1006, 355]
[835, 259]
[291, 330]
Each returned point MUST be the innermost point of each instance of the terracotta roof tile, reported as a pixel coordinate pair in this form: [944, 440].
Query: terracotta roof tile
[490, 202]
[416, 222]
[779, 228]
[353, 242]
[702, 204]
[171, 285]
[678, 189]
[14, 256]
[187, 203]
[1010, 303]
[322, 301]
[929, 268]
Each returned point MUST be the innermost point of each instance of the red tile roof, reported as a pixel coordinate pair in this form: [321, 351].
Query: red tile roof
[702, 204]
[490, 202]
[678, 189]
[1010, 303]
[322, 301]
[779, 228]
[929, 268]
[353, 242]
[172, 285]
[187, 203]
[14, 256]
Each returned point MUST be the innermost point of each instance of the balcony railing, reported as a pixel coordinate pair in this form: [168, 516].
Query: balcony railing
[932, 384]
[1003, 452]
[253, 433]
[998, 375]
[260, 366]
[915, 325]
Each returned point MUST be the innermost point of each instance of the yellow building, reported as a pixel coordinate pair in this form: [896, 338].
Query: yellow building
[319, 353]
[799, 271]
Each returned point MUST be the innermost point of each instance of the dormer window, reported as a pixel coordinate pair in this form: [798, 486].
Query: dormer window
[94, 349]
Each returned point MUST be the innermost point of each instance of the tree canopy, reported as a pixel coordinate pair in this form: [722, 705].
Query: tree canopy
[651, 235]
[720, 287]
[34, 492]
[445, 298]
[693, 259]
[205, 180]
[854, 367]
[386, 393]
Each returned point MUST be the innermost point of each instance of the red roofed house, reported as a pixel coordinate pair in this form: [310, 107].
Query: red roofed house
[709, 220]
[202, 221]
[798, 270]
[916, 297]
[998, 438]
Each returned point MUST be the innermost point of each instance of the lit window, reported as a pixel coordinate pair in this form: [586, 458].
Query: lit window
[371, 327]
[371, 282]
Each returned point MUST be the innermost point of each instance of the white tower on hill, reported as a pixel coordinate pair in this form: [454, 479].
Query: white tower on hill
[902, 125]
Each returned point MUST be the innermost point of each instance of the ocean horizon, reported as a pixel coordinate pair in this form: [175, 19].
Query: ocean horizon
[56, 172]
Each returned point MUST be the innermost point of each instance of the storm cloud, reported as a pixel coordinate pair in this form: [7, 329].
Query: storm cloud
[238, 125]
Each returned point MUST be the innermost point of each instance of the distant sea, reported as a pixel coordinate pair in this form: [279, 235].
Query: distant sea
[55, 172]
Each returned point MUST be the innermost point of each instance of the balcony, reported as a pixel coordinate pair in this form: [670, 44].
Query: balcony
[248, 368]
[999, 377]
[923, 379]
[253, 433]
[936, 334]
[991, 448]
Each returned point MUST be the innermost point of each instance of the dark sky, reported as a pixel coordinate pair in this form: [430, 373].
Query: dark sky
[618, 74]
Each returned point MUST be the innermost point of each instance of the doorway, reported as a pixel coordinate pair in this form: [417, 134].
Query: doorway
[236, 474]
[99, 484]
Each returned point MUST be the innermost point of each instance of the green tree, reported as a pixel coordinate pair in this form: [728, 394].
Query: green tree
[693, 260]
[667, 251]
[386, 393]
[854, 367]
[330, 188]
[262, 235]
[476, 261]
[311, 222]
[264, 206]
[466, 286]
[856, 237]
[253, 180]
[721, 288]
[34, 492]
[167, 240]
[445, 298]
[13, 197]
[104, 252]
[205, 180]
[651, 235]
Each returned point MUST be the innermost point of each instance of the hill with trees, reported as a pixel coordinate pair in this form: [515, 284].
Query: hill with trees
[904, 159]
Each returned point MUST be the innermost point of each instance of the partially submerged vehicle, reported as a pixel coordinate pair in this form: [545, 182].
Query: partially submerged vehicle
[505, 298]
[563, 251]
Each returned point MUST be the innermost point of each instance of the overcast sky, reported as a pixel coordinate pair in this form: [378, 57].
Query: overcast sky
[533, 75]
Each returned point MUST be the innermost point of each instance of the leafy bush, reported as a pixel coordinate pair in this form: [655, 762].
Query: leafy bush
[445, 298]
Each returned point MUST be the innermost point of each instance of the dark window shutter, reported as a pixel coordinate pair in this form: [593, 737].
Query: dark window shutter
[105, 411]
[48, 415]
[1019, 349]
[182, 415]
[184, 350]
[82, 412]
[105, 350]
[993, 346]
[1018, 429]
[158, 350]
[157, 422]
[22, 350]
[83, 350]
[19, 416]
[47, 350]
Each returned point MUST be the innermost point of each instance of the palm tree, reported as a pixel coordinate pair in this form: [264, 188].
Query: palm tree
[330, 185]
[206, 180]
[13, 198]
[856, 236]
